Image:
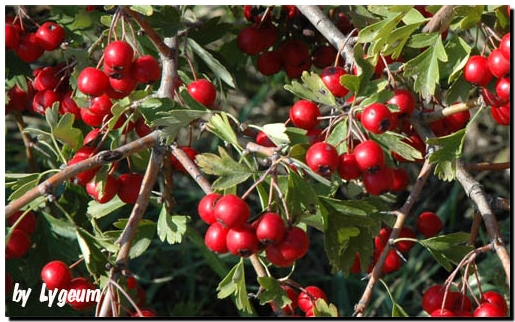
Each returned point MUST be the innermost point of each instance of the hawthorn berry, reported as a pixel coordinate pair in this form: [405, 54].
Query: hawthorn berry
[433, 299]
[477, 70]
[81, 285]
[274, 256]
[404, 99]
[242, 240]
[28, 49]
[215, 238]
[429, 224]
[50, 35]
[18, 244]
[322, 158]
[56, 275]
[250, 41]
[45, 99]
[270, 228]
[376, 118]
[12, 37]
[231, 211]
[27, 223]
[177, 165]
[331, 78]
[118, 55]
[129, 187]
[93, 81]
[348, 169]
[369, 155]
[488, 310]
[206, 207]
[304, 114]
[496, 299]
[307, 298]
[294, 245]
[378, 181]
[103, 192]
[504, 46]
[292, 295]
[501, 114]
[203, 91]
[146, 69]
[498, 64]
[269, 62]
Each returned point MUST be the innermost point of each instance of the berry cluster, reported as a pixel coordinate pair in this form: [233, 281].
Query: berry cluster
[493, 71]
[29, 46]
[19, 242]
[304, 300]
[428, 224]
[278, 39]
[57, 275]
[230, 231]
[438, 302]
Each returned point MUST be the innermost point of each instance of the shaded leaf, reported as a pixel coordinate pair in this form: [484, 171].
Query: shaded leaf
[392, 142]
[143, 236]
[98, 210]
[215, 66]
[95, 260]
[272, 291]
[445, 157]
[66, 133]
[448, 249]
[234, 284]
[61, 227]
[220, 126]
[312, 89]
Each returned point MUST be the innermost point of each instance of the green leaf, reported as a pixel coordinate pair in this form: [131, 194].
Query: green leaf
[234, 284]
[98, 210]
[392, 142]
[220, 126]
[143, 236]
[448, 249]
[398, 39]
[349, 229]
[312, 89]
[276, 133]
[52, 116]
[339, 133]
[95, 260]
[397, 310]
[66, 133]
[171, 227]
[228, 171]
[458, 51]
[171, 122]
[20, 183]
[425, 68]
[61, 227]
[301, 199]
[272, 291]
[445, 157]
[322, 309]
[378, 33]
[471, 15]
[145, 10]
[215, 66]
[82, 21]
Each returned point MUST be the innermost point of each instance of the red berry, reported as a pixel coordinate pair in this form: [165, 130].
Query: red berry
[295, 55]
[250, 41]
[27, 224]
[264, 140]
[442, 313]
[68, 105]
[12, 38]
[348, 169]
[392, 262]
[121, 87]
[477, 71]
[369, 155]
[46, 79]
[496, 299]
[322, 158]
[90, 118]
[405, 245]
[28, 49]
[378, 181]
[433, 299]
[498, 64]
[105, 194]
[400, 179]
[18, 244]
[82, 154]
[489, 310]
[304, 114]
[269, 63]
[501, 114]
[206, 207]
[502, 88]
[92, 81]
[270, 228]
[429, 224]
[101, 105]
[308, 297]
[56, 275]
[50, 35]
[404, 99]
[216, 238]
[45, 99]
[504, 46]
[331, 78]
[141, 127]
[80, 302]
[324, 56]
[146, 69]
[292, 295]
[242, 240]
[130, 184]
[274, 256]
[231, 211]
[462, 303]
[203, 91]
[376, 118]
[294, 245]
[118, 55]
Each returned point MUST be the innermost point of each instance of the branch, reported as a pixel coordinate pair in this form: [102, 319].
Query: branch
[475, 192]
[441, 20]
[27, 141]
[327, 28]
[104, 157]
